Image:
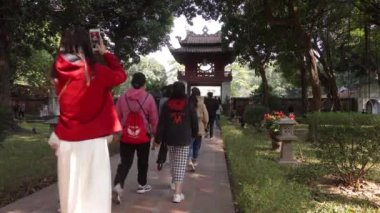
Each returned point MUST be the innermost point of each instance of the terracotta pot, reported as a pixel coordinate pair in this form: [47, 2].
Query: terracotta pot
[276, 143]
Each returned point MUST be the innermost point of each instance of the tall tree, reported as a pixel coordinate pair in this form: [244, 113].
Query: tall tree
[153, 71]
[137, 27]
[23, 25]
[252, 40]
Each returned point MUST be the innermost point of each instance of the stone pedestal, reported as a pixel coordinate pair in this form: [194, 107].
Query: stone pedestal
[286, 156]
[287, 136]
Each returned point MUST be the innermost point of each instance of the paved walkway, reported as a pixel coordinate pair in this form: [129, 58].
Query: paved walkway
[206, 190]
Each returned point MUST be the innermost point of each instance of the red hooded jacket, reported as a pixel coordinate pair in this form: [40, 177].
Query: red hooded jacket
[87, 111]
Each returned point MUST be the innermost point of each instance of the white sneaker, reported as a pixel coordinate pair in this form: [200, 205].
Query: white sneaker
[116, 194]
[177, 198]
[143, 189]
[191, 166]
[194, 161]
[172, 186]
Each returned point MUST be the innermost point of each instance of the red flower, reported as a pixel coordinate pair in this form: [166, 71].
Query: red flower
[292, 116]
[270, 119]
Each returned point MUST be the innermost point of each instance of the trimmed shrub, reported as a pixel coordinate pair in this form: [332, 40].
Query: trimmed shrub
[351, 151]
[348, 143]
[316, 119]
[254, 115]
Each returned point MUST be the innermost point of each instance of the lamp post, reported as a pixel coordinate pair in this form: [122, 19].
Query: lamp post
[287, 136]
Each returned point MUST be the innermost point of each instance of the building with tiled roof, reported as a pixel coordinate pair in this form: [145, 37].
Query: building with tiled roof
[205, 59]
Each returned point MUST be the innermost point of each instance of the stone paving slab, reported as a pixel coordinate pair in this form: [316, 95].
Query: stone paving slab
[206, 190]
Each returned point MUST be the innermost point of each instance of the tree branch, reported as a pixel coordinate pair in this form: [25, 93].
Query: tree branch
[273, 20]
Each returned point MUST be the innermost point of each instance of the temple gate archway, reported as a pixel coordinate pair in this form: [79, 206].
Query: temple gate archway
[205, 60]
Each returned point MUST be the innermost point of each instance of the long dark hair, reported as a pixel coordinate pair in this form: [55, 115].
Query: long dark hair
[74, 40]
[193, 97]
[178, 91]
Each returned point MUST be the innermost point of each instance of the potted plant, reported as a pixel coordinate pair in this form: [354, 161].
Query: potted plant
[270, 122]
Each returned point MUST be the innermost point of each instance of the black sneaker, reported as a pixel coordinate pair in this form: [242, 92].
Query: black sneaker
[159, 166]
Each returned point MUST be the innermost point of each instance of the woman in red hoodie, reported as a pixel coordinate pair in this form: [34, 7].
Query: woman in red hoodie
[86, 122]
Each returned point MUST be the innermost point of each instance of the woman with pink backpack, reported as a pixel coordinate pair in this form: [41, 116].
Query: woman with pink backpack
[138, 115]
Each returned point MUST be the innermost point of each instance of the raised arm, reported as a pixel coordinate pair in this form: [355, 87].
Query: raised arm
[113, 74]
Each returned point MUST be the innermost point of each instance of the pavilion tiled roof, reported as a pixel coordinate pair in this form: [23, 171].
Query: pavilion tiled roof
[200, 49]
[208, 45]
[201, 39]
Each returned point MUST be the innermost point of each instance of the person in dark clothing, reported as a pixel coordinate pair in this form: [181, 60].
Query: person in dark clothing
[15, 108]
[163, 152]
[177, 125]
[212, 106]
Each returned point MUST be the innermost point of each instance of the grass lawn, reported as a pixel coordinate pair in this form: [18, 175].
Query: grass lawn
[261, 185]
[27, 163]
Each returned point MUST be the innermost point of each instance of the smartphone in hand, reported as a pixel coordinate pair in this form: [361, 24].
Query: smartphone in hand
[95, 38]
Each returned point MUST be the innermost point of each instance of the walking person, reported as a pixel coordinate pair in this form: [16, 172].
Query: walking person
[202, 116]
[86, 122]
[218, 113]
[21, 112]
[15, 108]
[178, 123]
[163, 152]
[138, 114]
[212, 106]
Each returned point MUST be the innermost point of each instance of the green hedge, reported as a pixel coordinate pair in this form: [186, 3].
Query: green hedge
[348, 143]
[254, 115]
[317, 119]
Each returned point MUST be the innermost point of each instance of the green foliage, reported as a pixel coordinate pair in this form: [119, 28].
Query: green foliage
[27, 163]
[317, 119]
[350, 151]
[154, 72]
[254, 115]
[244, 80]
[34, 70]
[274, 102]
[348, 142]
[259, 183]
[137, 27]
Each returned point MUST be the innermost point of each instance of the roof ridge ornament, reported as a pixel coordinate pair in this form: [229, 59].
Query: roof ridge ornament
[205, 30]
[179, 38]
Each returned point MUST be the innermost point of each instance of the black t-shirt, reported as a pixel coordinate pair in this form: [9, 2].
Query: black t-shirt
[212, 106]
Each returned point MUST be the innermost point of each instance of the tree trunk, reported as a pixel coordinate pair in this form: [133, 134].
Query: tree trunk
[5, 71]
[314, 76]
[309, 53]
[334, 92]
[294, 22]
[264, 82]
[331, 77]
[303, 85]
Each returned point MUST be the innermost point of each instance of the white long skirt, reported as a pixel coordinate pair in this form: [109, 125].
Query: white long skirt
[84, 176]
